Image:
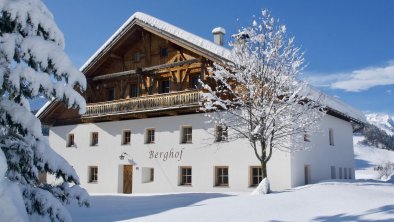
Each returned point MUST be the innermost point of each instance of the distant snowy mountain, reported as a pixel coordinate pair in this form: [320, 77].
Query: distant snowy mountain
[383, 121]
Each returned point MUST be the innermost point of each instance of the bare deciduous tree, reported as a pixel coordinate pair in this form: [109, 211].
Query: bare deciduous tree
[259, 97]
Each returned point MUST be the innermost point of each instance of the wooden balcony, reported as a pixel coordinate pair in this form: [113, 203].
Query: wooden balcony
[144, 104]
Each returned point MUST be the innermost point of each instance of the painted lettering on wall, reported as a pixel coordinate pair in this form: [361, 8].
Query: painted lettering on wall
[177, 155]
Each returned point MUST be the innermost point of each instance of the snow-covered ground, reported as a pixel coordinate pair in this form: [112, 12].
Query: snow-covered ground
[367, 158]
[360, 200]
[329, 201]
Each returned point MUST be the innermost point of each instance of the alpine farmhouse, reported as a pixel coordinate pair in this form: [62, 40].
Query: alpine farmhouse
[143, 131]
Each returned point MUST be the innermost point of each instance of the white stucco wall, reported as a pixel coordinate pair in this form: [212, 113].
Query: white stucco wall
[202, 155]
[321, 156]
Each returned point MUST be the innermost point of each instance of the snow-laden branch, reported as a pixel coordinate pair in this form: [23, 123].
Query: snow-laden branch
[33, 64]
[260, 95]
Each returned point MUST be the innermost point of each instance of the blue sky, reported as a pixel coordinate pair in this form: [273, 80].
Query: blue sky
[349, 44]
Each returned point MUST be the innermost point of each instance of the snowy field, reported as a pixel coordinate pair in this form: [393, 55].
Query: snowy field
[361, 200]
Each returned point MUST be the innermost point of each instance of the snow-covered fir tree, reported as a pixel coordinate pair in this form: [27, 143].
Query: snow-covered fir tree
[33, 64]
[259, 97]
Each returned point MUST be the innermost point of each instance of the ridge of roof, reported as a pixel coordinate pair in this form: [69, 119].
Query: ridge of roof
[166, 27]
[209, 46]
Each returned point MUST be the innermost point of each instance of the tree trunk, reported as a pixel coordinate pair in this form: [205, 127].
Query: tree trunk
[264, 169]
[267, 185]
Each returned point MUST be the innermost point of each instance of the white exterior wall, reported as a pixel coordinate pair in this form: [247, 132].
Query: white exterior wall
[322, 155]
[285, 170]
[202, 155]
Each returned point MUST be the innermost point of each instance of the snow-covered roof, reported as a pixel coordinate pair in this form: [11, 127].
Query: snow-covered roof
[164, 28]
[202, 44]
[334, 104]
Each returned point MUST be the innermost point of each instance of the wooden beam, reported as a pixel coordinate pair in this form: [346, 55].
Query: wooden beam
[116, 56]
[147, 69]
[115, 75]
[171, 113]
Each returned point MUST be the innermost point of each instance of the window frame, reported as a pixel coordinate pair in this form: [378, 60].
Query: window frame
[185, 176]
[70, 140]
[166, 89]
[94, 138]
[93, 174]
[259, 175]
[331, 136]
[186, 136]
[198, 84]
[163, 52]
[133, 93]
[307, 137]
[340, 173]
[126, 139]
[345, 173]
[152, 174]
[222, 134]
[137, 57]
[220, 176]
[111, 94]
[333, 173]
[149, 136]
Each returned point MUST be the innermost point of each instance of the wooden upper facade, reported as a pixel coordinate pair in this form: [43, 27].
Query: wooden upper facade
[139, 73]
[151, 68]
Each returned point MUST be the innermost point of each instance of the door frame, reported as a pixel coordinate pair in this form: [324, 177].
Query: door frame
[127, 177]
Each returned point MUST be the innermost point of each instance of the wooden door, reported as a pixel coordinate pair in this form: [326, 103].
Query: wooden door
[127, 178]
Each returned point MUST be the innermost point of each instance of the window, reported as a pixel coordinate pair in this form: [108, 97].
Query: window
[344, 173]
[151, 175]
[137, 57]
[307, 174]
[70, 140]
[350, 173]
[126, 137]
[307, 137]
[186, 134]
[133, 90]
[164, 86]
[255, 176]
[186, 176]
[331, 136]
[94, 139]
[221, 175]
[111, 94]
[333, 173]
[340, 172]
[163, 52]
[221, 133]
[93, 173]
[148, 174]
[150, 136]
[194, 82]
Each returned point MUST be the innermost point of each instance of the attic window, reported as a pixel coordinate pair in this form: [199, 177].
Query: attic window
[111, 94]
[163, 52]
[137, 57]
[164, 86]
[195, 82]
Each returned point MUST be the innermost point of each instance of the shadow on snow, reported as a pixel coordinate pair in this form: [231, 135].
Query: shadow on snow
[386, 210]
[115, 208]
[363, 164]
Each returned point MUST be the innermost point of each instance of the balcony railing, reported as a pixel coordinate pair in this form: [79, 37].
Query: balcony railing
[142, 104]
